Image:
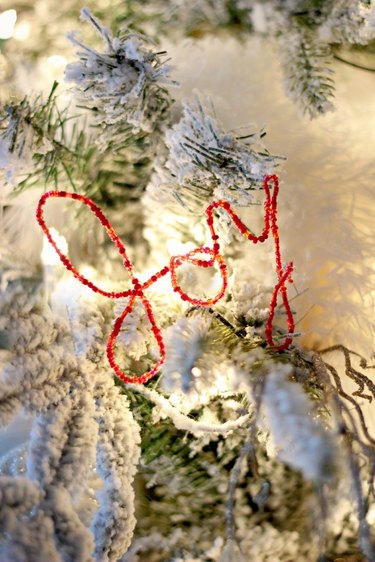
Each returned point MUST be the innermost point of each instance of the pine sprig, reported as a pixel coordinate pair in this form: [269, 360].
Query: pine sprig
[47, 147]
[308, 72]
[35, 147]
[124, 86]
[206, 161]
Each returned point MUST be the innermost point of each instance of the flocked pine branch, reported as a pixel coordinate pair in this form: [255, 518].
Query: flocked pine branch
[205, 162]
[23, 137]
[37, 151]
[308, 72]
[124, 86]
[177, 469]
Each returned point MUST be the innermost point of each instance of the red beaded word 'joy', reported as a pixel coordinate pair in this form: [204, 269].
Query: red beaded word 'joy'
[205, 256]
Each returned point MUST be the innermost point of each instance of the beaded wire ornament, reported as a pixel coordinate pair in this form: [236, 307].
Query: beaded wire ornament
[204, 256]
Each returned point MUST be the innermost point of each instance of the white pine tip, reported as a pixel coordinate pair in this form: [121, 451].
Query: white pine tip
[299, 438]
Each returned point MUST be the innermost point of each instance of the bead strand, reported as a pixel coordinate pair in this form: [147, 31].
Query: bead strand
[202, 257]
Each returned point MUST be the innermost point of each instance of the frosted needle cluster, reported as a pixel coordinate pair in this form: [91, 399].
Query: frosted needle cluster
[123, 86]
